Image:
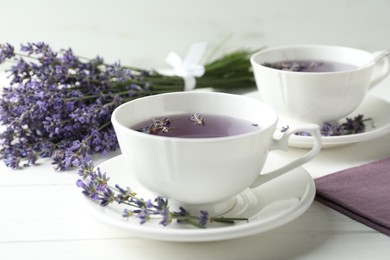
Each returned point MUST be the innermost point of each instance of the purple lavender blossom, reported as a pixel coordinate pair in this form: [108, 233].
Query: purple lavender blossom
[6, 52]
[166, 217]
[63, 101]
[89, 189]
[203, 218]
[108, 197]
[354, 125]
[127, 213]
[142, 214]
[95, 185]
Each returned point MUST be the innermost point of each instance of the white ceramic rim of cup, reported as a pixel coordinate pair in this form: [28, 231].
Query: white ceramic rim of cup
[126, 128]
[255, 57]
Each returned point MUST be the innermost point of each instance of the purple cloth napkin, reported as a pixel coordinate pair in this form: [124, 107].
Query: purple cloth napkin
[362, 193]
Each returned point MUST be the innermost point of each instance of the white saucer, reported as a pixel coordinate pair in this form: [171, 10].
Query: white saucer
[267, 207]
[371, 107]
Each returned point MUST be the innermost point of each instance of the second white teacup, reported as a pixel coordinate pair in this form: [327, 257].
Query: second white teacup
[317, 97]
[205, 170]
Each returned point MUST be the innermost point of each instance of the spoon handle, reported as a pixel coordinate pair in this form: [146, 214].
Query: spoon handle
[382, 69]
[376, 59]
[381, 56]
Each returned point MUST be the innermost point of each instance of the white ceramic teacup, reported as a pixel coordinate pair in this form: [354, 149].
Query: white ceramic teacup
[200, 171]
[316, 97]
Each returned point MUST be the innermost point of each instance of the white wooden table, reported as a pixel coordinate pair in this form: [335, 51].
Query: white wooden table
[42, 215]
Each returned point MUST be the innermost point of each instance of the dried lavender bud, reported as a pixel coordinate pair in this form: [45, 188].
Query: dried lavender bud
[349, 127]
[157, 126]
[197, 119]
[353, 126]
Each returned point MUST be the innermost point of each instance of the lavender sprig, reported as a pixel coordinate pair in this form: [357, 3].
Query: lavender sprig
[351, 126]
[95, 185]
[59, 105]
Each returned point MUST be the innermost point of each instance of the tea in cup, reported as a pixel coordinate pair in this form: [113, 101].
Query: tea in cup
[201, 148]
[316, 83]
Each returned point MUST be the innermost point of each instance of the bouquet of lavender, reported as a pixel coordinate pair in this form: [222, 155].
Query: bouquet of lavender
[59, 105]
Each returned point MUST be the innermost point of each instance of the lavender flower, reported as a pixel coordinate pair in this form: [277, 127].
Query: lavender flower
[197, 119]
[354, 125]
[157, 126]
[59, 105]
[166, 217]
[6, 52]
[142, 214]
[203, 218]
[95, 185]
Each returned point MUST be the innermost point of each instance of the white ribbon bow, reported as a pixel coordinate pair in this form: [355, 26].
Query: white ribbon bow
[188, 68]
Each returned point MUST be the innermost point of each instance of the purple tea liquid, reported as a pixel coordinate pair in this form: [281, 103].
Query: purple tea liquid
[196, 126]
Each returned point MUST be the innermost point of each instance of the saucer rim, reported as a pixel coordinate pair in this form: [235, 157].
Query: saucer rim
[203, 235]
[334, 141]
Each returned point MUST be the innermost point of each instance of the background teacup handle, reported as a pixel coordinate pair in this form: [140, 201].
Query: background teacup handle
[282, 144]
[381, 69]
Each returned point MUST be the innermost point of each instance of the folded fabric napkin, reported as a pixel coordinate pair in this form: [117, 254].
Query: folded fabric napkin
[362, 193]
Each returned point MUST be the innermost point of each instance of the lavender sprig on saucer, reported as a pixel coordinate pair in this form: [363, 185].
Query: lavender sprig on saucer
[95, 185]
[351, 126]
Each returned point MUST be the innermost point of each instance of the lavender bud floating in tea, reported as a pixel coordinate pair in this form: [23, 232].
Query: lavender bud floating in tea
[196, 126]
[309, 66]
[157, 126]
[197, 119]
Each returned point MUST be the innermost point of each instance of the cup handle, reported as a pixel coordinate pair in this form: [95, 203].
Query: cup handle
[381, 69]
[282, 144]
